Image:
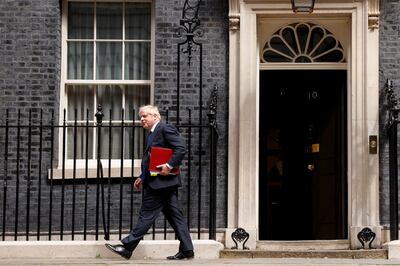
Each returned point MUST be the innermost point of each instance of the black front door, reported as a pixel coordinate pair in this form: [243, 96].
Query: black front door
[303, 168]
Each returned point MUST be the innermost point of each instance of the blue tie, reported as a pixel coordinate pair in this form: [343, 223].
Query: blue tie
[148, 142]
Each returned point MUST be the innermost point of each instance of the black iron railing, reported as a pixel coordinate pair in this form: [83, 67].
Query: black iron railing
[67, 182]
[64, 180]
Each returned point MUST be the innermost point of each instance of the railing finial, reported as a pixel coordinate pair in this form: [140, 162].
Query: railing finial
[99, 115]
[189, 26]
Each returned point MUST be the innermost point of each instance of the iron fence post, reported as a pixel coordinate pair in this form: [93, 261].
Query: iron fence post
[213, 164]
[99, 120]
[5, 177]
[17, 176]
[40, 175]
[393, 160]
[100, 186]
[51, 172]
[64, 136]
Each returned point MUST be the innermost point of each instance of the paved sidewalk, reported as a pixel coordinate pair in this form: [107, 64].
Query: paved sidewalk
[201, 262]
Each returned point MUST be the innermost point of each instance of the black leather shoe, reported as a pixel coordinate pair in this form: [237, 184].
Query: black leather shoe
[120, 250]
[189, 254]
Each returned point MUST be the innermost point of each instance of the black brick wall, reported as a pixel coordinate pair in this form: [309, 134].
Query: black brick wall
[30, 54]
[214, 24]
[389, 68]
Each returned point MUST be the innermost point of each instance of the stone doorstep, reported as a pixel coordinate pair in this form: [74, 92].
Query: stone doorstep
[338, 254]
[303, 245]
[147, 249]
[393, 248]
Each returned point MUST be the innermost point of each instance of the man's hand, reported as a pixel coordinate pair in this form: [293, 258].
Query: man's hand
[165, 170]
[137, 183]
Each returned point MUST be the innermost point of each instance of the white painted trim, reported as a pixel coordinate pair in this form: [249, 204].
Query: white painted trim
[92, 163]
[303, 66]
[64, 67]
[107, 82]
[247, 126]
[233, 132]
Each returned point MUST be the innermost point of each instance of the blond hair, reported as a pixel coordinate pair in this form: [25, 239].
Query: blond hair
[150, 109]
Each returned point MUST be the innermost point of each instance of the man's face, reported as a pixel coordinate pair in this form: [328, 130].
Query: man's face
[147, 120]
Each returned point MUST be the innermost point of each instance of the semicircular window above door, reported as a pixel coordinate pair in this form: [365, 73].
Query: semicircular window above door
[302, 43]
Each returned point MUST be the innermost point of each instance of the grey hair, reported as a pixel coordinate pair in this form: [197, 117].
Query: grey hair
[150, 109]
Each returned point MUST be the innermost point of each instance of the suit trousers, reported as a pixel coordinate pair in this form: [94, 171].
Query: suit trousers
[155, 201]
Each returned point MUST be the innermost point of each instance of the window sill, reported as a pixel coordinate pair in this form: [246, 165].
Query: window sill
[80, 173]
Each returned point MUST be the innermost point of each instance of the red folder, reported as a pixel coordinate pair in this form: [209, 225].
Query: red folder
[160, 156]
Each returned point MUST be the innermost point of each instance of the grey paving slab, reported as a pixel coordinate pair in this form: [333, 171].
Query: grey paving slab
[202, 262]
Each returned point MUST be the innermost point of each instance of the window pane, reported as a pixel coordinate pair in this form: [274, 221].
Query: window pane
[80, 60]
[80, 97]
[135, 96]
[302, 33]
[137, 21]
[289, 36]
[109, 21]
[137, 60]
[111, 146]
[327, 44]
[110, 98]
[83, 138]
[109, 60]
[315, 37]
[134, 141]
[279, 45]
[272, 56]
[80, 20]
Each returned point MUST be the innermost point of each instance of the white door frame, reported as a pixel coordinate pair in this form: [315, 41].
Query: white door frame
[363, 110]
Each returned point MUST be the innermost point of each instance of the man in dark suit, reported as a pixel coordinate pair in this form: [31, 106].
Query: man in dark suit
[159, 190]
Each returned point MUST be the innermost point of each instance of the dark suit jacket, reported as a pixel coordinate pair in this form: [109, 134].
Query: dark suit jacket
[166, 136]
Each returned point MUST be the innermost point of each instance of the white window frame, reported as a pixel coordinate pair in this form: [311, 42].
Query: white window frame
[64, 82]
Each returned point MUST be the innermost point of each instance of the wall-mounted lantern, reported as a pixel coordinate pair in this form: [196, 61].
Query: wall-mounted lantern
[303, 6]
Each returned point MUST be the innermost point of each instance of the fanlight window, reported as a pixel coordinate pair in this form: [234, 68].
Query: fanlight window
[302, 43]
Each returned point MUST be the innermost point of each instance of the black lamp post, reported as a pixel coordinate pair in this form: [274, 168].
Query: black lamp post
[303, 6]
